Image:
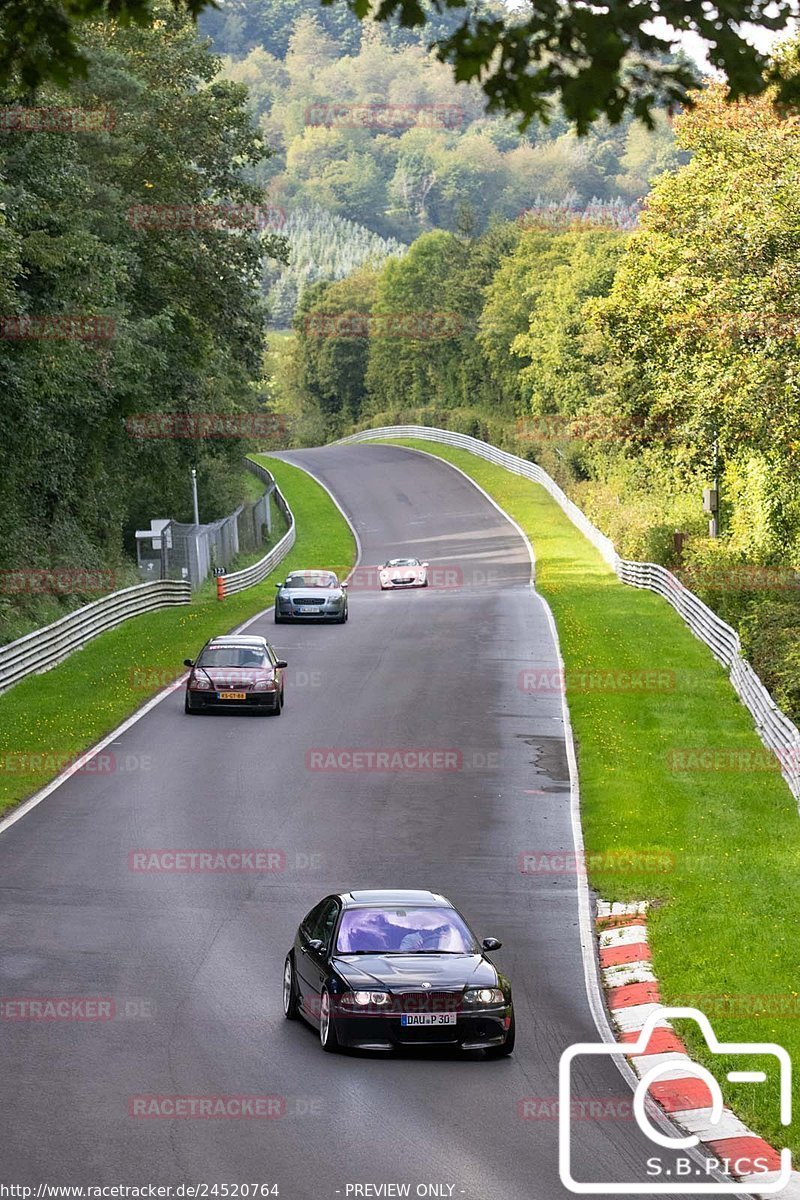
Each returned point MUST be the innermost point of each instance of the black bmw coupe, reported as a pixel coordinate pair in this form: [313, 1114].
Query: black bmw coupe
[380, 969]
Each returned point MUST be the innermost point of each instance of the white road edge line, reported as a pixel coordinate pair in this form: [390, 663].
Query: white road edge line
[591, 965]
[87, 755]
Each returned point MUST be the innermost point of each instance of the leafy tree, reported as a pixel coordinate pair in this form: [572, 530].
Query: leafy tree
[183, 306]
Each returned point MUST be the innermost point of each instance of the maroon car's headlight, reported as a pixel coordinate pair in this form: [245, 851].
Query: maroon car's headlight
[265, 685]
[198, 684]
[360, 1000]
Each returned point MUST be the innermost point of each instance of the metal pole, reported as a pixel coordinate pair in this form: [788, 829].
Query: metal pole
[194, 497]
[714, 526]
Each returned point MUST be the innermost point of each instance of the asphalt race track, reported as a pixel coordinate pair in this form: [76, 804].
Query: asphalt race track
[193, 961]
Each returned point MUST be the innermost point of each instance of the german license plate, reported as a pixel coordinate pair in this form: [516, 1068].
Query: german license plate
[448, 1018]
[299, 612]
[231, 695]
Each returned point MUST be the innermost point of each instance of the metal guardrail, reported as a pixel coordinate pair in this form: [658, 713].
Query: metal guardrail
[774, 728]
[237, 581]
[44, 648]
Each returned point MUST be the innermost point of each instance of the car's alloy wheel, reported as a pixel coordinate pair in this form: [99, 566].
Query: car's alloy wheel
[289, 993]
[327, 1029]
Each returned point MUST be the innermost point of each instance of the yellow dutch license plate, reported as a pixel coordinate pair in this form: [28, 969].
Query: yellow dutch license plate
[232, 695]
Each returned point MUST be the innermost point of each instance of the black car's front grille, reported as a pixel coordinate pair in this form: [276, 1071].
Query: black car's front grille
[427, 1001]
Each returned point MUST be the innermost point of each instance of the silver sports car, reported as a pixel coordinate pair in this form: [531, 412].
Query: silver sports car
[311, 595]
[403, 573]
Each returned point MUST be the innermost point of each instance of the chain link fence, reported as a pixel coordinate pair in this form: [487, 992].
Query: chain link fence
[193, 552]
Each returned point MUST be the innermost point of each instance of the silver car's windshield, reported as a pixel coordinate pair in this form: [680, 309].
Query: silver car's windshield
[311, 581]
[402, 562]
[404, 931]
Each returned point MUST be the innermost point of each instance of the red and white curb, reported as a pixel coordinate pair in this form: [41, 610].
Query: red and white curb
[633, 997]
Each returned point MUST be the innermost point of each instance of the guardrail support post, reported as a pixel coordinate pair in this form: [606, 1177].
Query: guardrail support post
[220, 587]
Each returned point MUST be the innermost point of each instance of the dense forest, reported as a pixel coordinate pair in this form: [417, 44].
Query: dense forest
[368, 126]
[615, 357]
[111, 307]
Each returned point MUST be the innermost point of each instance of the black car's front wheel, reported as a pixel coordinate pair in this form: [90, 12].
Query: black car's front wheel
[327, 1028]
[290, 1004]
[508, 1045]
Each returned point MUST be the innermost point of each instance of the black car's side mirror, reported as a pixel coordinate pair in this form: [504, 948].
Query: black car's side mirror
[316, 944]
[281, 663]
[188, 662]
[491, 944]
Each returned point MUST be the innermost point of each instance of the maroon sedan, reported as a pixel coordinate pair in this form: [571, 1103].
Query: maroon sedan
[235, 672]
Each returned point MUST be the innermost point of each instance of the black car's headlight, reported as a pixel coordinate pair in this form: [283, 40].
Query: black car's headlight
[484, 996]
[359, 999]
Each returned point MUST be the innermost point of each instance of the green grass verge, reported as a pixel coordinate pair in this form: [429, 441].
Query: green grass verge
[63, 712]
[725, 923]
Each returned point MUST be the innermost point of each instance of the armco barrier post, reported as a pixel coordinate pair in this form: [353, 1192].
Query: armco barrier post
[220, 587]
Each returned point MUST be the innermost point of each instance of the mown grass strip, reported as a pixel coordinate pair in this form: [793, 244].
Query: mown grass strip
[58, 715]
[725, 843]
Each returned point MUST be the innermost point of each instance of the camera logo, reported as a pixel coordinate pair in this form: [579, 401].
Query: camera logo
[661, 1066]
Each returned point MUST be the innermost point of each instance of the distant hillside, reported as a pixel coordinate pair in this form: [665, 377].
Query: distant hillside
[322, 247]
[382, 136]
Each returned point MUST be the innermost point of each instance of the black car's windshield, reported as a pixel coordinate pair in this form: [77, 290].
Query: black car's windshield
[233, 656]
[311, 581]
[404, 931]
[403, 562]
